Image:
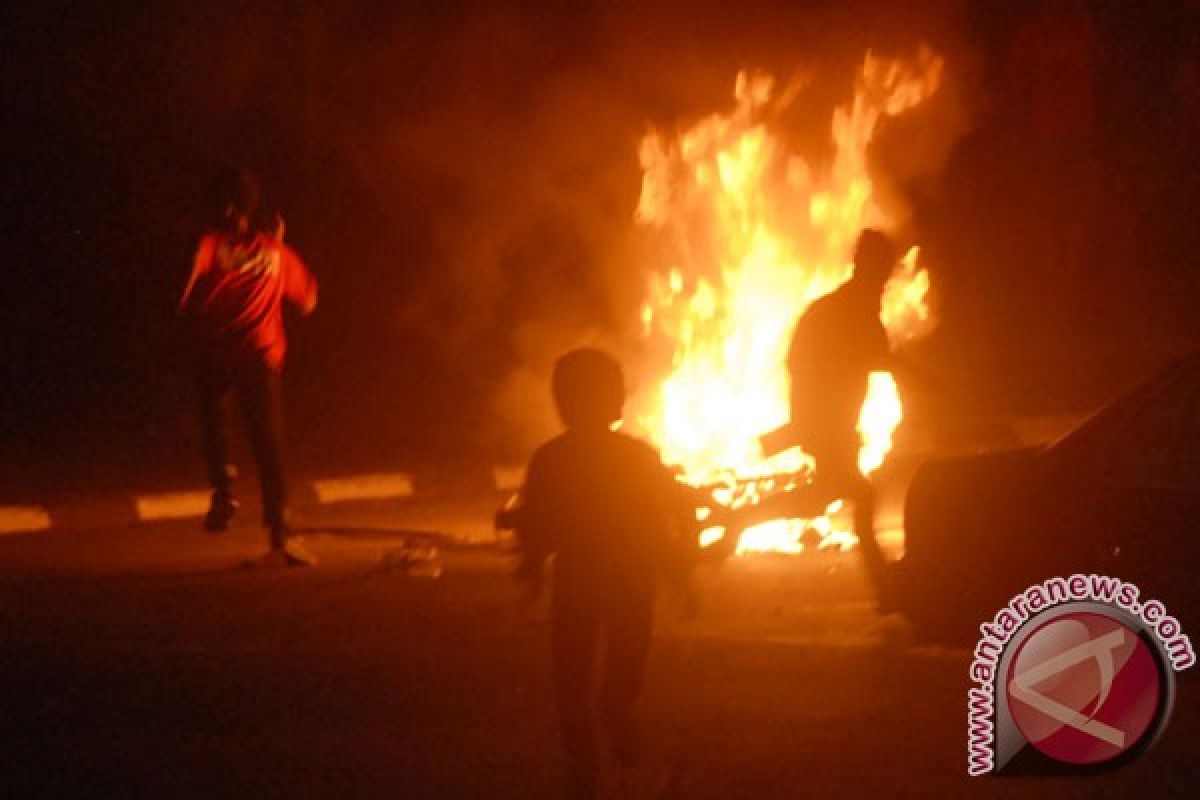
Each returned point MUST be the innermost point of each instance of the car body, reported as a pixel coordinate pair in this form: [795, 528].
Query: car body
[1119, 495]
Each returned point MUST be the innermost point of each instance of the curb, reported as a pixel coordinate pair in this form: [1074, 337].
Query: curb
[193, 503]
[33, 517]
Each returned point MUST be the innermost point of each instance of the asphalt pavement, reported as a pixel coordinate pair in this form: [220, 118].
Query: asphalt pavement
[147, 660]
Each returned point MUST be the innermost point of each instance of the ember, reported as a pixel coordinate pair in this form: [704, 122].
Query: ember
[749, 235]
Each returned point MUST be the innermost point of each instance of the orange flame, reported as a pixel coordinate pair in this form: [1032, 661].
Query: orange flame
[750, 235]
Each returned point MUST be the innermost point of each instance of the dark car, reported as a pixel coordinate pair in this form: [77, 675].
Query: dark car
[1119, 496]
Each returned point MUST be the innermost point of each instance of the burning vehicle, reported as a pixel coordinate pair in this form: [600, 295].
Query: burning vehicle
[1118, 495]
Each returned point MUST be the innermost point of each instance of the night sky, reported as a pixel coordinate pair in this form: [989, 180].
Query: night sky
[461, 177]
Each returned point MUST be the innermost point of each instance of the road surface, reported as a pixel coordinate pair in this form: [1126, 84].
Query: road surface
[144, 661]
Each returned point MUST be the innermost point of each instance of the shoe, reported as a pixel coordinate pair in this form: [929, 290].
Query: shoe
[286, 557]
[220, 512]
[297, 554]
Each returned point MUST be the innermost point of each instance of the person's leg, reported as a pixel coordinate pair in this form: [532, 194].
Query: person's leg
[575, 637]
[259, 387]
[213, 387]
[864, 528]
[841, 474]
[627, 646]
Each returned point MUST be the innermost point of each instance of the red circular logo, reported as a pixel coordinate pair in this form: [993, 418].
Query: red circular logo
[1084, 688]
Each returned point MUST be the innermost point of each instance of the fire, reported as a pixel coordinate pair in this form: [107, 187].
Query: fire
[749, 235]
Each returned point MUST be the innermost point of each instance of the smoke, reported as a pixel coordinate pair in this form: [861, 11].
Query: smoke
[462, 177]
[539, 252]
[478, 171]
[492, 149]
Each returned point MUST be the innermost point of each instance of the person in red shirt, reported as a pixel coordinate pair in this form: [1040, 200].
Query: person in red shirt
[241, 276]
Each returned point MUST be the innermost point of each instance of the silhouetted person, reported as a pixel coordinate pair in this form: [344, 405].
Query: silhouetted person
[241, 276]
[601, 503]
[837, 343]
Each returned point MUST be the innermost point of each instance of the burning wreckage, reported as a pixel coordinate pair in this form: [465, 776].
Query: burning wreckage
[744, 236]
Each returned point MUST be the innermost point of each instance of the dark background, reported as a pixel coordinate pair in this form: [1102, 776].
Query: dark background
[461, 177]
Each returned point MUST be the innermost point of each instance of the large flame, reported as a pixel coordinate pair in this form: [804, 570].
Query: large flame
[749, 235]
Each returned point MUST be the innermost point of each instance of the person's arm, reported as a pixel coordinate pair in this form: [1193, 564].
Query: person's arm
[200, 263]
[299, 286]
[535, 530]
[673, 505]
[678, 551]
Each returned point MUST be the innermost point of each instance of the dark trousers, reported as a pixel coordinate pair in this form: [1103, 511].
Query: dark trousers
[257, 387]
[577, 632]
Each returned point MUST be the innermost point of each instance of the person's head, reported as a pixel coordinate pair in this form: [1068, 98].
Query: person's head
[588, 388]
[874, 257]
[246, 211]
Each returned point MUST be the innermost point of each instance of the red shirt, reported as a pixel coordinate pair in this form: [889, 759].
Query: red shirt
[236, 294]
